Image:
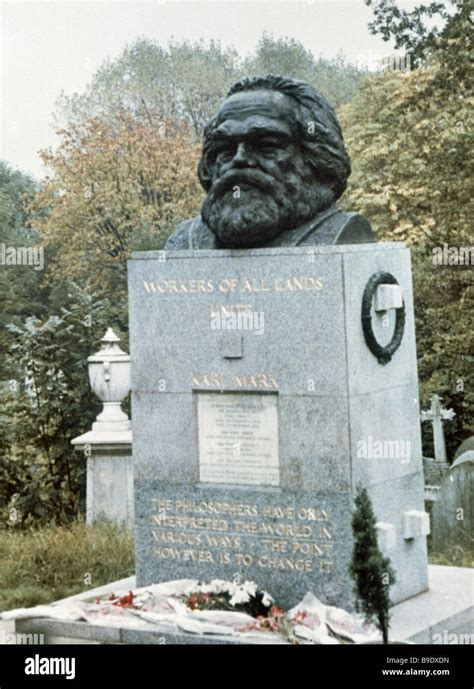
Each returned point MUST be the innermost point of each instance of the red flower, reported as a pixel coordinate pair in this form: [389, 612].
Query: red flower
[300, 616]
[192, 602]
[126, 601]
[276, 612]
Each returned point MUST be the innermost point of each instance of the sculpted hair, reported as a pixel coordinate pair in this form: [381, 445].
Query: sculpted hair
[320, 133]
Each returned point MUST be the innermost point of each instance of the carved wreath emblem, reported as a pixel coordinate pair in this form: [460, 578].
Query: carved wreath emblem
[383, 354]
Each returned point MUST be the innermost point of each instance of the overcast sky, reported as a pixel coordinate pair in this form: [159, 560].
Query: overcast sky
[47, 47]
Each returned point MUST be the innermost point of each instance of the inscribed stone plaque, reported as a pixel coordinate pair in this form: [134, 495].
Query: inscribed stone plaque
[238, 438]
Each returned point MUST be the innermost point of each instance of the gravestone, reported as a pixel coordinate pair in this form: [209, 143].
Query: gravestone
[452, 510]
[437, 414]
[266, 385]
[466, 446]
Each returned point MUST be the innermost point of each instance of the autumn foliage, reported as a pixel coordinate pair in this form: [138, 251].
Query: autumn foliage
[114, 188]
[410, 136]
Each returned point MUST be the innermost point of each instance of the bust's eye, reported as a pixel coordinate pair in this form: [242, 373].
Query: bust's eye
[268, 146]
[226, 150]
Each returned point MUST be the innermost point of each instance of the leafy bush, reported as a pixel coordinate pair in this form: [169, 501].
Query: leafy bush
[46, 403]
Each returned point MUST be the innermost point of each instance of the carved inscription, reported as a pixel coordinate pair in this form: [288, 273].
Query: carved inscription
[233, 285]
[238, 439]
[243, 534]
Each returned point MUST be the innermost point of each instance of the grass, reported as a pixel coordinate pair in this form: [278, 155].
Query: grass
[457, 558]
[49, 563]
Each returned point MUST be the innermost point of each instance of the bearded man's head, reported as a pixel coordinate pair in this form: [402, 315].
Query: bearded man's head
[273, 159]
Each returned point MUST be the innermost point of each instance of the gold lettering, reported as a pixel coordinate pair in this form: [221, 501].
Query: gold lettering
[184, 555]
[213, 379]
[315, 549]
[326, 566]
[278, 512]
[312, 515]
[178, 537]
[285, 564]
[282, 538]
[246, 527]
[159, 504]
[275, 545]
[298, 284]
[229, 285]
[285, 530]
[260, 380]
[243, 559]
[223, 541]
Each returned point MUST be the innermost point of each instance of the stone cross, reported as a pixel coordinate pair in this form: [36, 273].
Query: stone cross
[437, 414]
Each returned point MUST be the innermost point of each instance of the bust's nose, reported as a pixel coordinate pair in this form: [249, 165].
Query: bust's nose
[243, 156]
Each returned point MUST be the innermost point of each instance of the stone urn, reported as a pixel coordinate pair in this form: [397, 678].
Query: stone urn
[109, 375]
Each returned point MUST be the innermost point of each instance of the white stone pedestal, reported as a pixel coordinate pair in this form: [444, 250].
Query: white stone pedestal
[108, 446]
[109, 475]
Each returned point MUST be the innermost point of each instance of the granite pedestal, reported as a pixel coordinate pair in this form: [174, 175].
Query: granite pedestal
[267, 385]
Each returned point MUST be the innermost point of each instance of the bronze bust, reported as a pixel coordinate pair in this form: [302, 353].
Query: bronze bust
[273, 165]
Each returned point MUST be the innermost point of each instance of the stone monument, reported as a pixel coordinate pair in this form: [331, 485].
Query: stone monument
[452, 511]
[107, 446]
[274, 367]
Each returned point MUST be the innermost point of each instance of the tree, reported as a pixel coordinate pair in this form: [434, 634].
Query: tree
[372, 572]
[425, 29]
[15, 189]
[20, 285]
[114, 189]
[335, 78]
[410, 137]
[186, 81]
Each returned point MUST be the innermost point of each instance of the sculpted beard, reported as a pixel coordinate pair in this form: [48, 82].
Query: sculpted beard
[263, 207]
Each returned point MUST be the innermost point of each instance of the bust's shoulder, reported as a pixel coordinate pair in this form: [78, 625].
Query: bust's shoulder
[181, 237]
[355, 229]
[191, 234]
[335, 226]
[332, 227]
